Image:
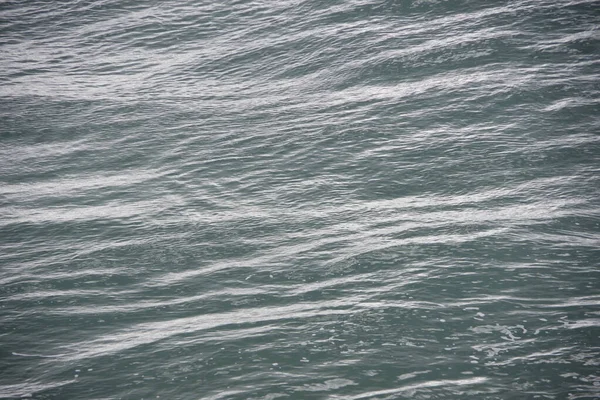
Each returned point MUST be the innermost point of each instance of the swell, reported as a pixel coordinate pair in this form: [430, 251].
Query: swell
[298, 198]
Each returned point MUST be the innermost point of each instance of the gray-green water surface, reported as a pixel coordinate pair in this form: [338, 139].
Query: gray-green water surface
[299, 199]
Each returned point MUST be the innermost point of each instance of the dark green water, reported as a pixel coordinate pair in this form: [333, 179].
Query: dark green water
[299, 199]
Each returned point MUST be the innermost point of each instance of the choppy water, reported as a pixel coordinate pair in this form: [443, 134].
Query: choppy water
[300, 199]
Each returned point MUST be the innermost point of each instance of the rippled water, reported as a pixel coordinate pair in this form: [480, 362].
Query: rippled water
[300, 199]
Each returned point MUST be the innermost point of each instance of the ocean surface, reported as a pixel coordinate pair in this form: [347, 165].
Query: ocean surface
[300, 199]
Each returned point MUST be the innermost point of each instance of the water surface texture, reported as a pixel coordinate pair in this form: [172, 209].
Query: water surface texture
[299, 199]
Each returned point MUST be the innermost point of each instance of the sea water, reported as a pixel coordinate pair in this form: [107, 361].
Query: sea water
[299, 199]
